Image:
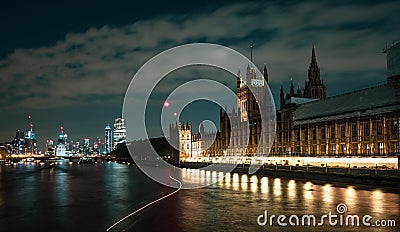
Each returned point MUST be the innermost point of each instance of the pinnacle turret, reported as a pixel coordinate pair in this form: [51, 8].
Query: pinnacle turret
[265, 72]
[313, 57]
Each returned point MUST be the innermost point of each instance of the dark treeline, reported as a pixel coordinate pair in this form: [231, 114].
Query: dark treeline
[142, 148]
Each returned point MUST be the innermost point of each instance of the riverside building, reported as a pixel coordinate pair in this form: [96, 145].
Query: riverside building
[361, 123]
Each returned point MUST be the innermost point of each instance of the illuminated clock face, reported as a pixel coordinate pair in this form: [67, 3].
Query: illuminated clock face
[257, 83]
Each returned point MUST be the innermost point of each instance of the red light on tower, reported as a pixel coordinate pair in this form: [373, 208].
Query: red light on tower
[30, 122]
[166, 104]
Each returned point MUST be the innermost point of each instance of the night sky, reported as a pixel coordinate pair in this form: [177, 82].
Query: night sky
[70, 63]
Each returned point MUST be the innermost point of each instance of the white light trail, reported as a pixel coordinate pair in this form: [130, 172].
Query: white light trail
[153, 202]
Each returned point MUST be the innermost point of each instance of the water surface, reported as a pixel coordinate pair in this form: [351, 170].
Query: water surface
[92, 197]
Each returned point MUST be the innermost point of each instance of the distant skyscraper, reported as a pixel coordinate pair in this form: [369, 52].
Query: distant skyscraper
[119, 131]
[61, 148]
[18, 143]
[61, 139]
[86, 146]
[97, 145]
[49, 147]
[108, 139]
[30, 139]
[78, 147]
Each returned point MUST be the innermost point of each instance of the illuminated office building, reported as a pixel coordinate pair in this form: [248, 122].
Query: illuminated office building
[119, 131]
[30, 146]
[49, 147]
[61, 146]
[108, 140]
[18, 143]
[86, 146]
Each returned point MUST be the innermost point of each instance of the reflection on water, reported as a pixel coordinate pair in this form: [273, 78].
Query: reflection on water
[291, 190]
[377, 199]
[327, 193]
[264, 185]
[235, 181]
[92, 197]
[254, 184]
[308, 192]
[350, 196]
[244, 182]
[277, 187]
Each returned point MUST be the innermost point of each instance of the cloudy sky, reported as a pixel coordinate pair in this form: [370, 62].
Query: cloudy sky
[71, 63]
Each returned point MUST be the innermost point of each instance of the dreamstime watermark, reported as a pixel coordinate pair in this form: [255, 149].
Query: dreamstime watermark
[148, 77]
[338, 218]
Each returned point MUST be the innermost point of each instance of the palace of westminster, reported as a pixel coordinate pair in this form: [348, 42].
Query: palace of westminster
[359, 123]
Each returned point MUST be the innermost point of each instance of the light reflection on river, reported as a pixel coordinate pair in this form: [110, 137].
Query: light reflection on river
[93, 197]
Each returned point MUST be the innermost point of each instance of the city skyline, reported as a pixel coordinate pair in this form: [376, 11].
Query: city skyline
[25, 141]
[75, 72]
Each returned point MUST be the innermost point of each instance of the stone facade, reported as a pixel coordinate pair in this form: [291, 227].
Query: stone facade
[359, 123]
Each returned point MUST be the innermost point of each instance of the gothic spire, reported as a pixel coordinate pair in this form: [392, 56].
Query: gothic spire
[313, 57]
[299, 94]
[265, 73]
[313, 70]
[251, 53]
[282, 98]
[291, 88]
[201, 128]
[238, 79]
[314, 87]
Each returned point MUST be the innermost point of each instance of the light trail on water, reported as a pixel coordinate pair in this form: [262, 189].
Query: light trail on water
[151, 203]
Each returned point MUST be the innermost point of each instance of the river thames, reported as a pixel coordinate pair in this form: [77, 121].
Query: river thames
[92, 197]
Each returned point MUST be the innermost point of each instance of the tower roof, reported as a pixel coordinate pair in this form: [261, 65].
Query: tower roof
[251, 52]
[369, 101]
[313, 57]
